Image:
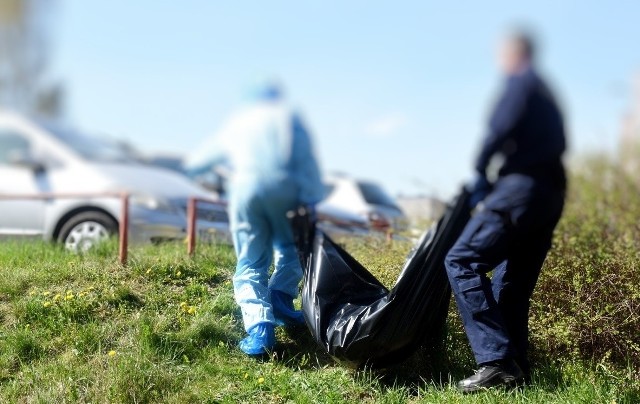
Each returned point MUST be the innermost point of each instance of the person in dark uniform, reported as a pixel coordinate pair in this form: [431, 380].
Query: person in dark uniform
[512, 228]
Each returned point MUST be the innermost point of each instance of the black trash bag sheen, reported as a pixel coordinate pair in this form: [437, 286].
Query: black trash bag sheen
[355, 318]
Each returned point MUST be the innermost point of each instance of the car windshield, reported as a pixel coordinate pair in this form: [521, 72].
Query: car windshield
[375, 195]
[90, 148]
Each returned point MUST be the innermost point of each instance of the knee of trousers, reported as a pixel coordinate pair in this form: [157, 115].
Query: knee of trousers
[458, 260]
[466, 285]
[250, 275]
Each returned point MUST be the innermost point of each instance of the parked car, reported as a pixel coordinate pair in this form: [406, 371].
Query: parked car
[358, 207]
[40, 157]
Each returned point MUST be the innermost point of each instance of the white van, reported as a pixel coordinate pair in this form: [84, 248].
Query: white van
[37, 158]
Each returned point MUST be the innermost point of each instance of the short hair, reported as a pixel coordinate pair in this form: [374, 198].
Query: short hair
[525, 43]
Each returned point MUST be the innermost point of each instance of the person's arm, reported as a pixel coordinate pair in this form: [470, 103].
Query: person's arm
[305, 164]
[211, 153]
[506, 115]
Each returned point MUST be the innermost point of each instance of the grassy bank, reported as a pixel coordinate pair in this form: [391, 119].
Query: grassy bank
[165, 329]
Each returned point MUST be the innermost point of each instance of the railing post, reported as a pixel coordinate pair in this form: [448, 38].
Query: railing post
[191, 226]
[124, 229]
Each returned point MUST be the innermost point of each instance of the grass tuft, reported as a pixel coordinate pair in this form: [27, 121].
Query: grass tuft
[81, 328]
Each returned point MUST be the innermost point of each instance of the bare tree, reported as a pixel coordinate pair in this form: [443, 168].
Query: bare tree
[25, 84]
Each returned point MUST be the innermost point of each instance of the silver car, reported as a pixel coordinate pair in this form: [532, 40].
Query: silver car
[38, 158]
[358, 207]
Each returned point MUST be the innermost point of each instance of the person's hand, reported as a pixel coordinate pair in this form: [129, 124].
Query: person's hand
[478, 189]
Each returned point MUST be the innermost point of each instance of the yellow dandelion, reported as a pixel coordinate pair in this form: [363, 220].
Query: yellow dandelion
[148, 271]
[112, 353]
[46, 293]
[260, 380]
[246, 375]
[192, 310]
[183, 304]
[57, 296]
[46, 304]
[69, 296]
[179, 273]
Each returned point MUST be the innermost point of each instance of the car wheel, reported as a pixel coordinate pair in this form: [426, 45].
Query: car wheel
[85, 230]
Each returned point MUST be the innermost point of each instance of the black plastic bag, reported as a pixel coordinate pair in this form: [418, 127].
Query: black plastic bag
[354, 317]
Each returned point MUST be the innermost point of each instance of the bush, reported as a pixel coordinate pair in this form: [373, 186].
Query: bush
[587, 302]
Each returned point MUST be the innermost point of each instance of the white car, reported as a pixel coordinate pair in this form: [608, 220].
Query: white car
[358, 207]
[37, 157]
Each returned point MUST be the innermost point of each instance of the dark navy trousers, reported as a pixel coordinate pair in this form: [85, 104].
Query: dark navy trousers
[510, 235]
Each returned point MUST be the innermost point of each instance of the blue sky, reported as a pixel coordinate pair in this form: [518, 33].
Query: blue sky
[395, 91]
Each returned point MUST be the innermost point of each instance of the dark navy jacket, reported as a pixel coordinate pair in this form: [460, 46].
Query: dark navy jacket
[526, 126]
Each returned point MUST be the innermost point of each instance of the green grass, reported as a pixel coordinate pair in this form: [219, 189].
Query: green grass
[81, 328]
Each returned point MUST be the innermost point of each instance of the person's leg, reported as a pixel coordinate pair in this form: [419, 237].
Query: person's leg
[515, 280]
[287, 270]
[252, 241]
[513, 285]
[482, 245]
[283, 284]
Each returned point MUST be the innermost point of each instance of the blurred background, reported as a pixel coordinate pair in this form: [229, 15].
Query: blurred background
[396, 93]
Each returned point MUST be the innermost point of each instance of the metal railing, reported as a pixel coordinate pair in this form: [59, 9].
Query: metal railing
[123, 223]
[192, 210]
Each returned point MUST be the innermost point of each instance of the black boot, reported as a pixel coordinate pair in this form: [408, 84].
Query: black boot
[525, 366]
[505, 373]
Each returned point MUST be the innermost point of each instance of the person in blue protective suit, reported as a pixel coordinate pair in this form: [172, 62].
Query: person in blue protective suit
[274, 170]
[511, 230]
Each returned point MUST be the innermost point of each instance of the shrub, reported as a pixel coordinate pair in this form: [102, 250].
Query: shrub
[587, 303]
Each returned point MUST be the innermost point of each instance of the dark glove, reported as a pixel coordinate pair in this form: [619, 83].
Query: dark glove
[303, 222]
[478, 189]
[311, 212]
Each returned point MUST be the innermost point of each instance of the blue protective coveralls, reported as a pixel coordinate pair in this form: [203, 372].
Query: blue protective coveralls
[274, 171]
[512, 231]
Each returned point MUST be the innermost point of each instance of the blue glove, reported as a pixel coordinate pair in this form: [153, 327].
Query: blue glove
[478, 189]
